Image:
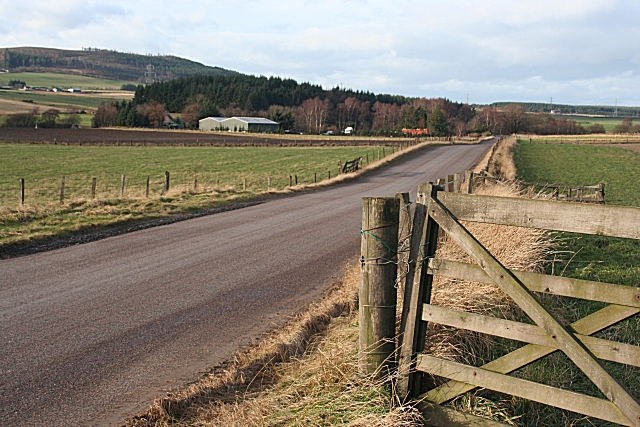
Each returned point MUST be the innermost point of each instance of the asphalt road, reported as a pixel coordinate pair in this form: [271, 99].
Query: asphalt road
[92, 333]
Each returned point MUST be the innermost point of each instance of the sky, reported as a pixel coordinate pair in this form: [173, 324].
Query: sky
[584, 52]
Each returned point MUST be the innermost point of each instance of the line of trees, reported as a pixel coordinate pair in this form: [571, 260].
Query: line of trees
[49, 118]
[300, 107]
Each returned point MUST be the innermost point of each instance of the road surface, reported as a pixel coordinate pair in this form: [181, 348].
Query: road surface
[93, 333]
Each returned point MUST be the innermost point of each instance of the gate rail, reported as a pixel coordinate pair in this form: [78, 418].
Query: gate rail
[439, 210]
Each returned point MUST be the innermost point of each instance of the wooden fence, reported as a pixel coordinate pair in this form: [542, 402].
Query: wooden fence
[70, 188]
[565, 193]
[440, 211]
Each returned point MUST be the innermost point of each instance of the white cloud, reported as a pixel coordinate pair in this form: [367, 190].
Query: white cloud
[581, 50]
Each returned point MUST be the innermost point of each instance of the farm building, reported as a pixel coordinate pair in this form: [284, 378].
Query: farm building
[239, 124]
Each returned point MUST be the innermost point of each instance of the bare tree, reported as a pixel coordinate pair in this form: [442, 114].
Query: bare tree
[191, 114]
[514, 118]
[106, 115]
[155, 113]
[385, 116]
[312, 114]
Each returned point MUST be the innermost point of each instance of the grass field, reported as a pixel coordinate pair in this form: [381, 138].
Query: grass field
[220, 172]
[608, 122]
[599, 258]
[60, 100]
[63, 81]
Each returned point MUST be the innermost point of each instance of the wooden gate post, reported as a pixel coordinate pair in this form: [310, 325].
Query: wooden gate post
[377, 294]
[404, 234]
[449, 184]
[457, 182]
[417, 291]
[468, 182]
[21, 191]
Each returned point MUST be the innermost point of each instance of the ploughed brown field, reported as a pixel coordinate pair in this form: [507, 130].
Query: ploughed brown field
[87, 136]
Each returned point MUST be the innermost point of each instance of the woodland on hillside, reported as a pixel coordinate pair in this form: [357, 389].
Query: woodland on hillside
[308, 108]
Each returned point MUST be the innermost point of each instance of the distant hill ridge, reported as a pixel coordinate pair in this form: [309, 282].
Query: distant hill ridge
[108, 64]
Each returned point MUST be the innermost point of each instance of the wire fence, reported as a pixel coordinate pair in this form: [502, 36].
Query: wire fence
[83, 186]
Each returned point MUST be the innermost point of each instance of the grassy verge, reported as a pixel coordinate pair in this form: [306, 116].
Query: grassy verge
[221, 173]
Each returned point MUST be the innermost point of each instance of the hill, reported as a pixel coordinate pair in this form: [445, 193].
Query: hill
[102, 63]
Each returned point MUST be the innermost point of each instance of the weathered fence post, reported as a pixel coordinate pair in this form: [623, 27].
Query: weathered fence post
[329, 174]
[269, 183]
[244, 184]
[377, 294]
[62, 192]
[290, 181]
[195, 184]
[404, 234]
[94, 183]
[315, 177]
[600, 192]
[339, 166]
[468, 182]
[296, 179]
[147, 189]
[457, 182]
[122, 186]
[21, 191]
[424, 241]
[449, 185]
[165, 187]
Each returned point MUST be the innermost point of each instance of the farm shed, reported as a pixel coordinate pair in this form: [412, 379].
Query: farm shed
[239, 124]
[211, 123]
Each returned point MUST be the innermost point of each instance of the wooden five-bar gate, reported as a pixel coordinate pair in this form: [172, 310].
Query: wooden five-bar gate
[436, 211]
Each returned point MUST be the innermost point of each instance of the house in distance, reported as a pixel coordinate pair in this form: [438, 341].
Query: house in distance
[238, 124]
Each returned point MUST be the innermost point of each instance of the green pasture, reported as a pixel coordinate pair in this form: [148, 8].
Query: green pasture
[220, 171]
[42, 166]
[599, 258]
[54, 100]
[607, 122]
[63, 81]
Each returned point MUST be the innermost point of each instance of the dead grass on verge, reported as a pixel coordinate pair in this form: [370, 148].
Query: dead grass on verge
[303, 374]
[501, 163]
